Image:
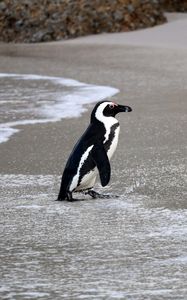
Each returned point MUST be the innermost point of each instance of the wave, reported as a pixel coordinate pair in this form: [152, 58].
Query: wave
[31, 99]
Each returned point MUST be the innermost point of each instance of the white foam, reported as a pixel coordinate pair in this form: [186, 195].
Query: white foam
[71, 104]
[6, 132]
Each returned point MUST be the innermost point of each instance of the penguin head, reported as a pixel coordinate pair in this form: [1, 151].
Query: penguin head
[108, 109]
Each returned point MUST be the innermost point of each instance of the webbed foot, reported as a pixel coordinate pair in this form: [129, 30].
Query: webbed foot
[96, 195]
[68, 197]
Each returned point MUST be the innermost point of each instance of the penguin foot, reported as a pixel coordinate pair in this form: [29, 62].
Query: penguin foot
[68, 197]
[60, 199]
[96, 195]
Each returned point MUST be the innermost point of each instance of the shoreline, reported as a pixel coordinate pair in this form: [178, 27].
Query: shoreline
[149, 79]
[176, 24]
[44, 110]
[133, 246]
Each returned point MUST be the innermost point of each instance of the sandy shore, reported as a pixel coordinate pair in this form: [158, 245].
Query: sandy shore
[133, 247]
[151, 79]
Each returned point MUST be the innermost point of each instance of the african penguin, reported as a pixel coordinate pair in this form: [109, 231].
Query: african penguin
[93, 152]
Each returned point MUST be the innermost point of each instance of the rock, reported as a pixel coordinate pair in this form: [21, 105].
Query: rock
[41, 36]
[2, 6]
[130, 8]
[174, 5]
[46, 20]
[118, 15]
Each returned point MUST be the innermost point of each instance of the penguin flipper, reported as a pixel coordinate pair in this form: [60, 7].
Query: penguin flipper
[101, 160]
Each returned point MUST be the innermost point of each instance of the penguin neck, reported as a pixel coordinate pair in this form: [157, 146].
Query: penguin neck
[107, 122]
[99, 116]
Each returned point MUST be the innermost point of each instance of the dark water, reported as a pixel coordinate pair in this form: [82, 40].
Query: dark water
[132, 247]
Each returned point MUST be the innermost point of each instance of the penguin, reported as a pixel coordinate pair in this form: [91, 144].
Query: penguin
[92, 153]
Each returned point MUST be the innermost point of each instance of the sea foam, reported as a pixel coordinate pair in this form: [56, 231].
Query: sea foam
[30, 99]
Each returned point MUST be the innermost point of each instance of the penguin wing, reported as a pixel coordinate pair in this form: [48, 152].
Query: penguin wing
[101, 160]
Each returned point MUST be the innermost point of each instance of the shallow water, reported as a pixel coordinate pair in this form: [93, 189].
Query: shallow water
[131, 247]
[123, 248]
[31, 99]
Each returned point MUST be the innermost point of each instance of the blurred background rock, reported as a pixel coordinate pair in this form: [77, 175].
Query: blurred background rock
[174, 5]
[31, 21]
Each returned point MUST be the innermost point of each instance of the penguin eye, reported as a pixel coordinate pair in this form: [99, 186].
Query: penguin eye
[111, 106]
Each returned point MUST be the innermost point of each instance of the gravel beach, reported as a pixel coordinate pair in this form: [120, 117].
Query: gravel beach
[130, 248]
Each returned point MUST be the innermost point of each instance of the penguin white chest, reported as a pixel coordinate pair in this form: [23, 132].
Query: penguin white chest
[75, 180]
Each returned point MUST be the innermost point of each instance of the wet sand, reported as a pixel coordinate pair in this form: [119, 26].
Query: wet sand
[130, 248]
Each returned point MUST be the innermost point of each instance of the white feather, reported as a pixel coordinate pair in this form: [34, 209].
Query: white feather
[88, 180]
[107, 121]
[75, 179]
[114, 144]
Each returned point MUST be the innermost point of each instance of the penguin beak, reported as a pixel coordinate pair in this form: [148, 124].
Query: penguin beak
[124, 108]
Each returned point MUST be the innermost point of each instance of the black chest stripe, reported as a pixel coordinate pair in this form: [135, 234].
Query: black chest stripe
[89, 164]
[108, 143]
